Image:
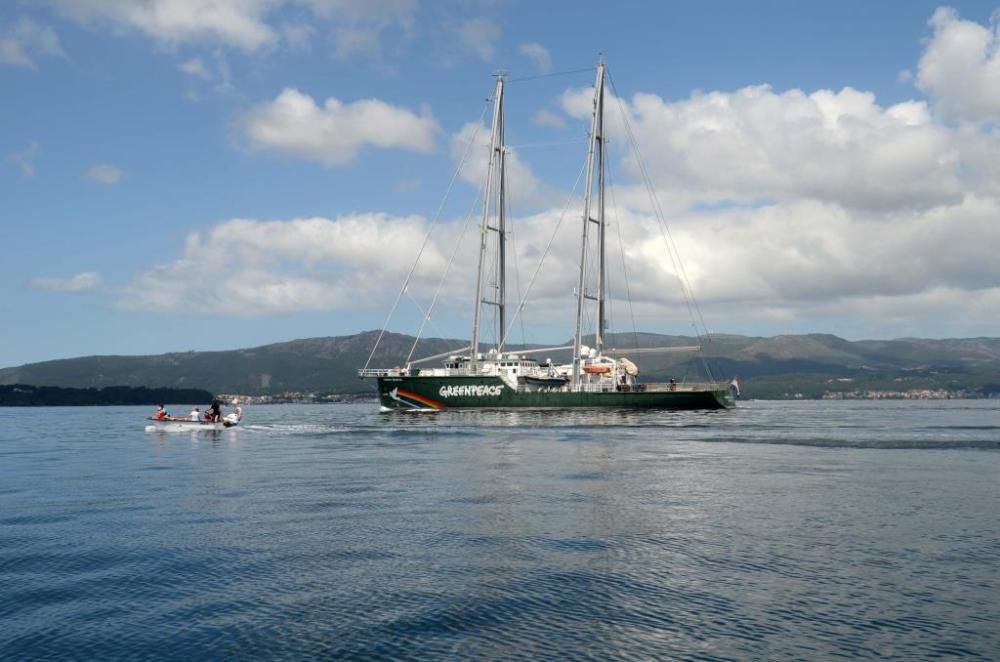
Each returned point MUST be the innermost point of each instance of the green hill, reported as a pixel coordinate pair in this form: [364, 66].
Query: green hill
[769, 367]
[20, 395]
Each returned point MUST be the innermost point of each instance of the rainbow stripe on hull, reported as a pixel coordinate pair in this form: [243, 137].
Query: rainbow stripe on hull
[402, 398]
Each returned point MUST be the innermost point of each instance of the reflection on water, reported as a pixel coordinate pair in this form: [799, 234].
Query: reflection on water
[604, 417]
[229, 436]
[775, 530]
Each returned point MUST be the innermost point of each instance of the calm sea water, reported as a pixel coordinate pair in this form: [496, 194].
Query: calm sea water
[778, 530]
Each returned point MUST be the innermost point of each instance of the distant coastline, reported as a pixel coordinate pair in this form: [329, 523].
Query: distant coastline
[24, 395]
[299, 398]
[324, 370]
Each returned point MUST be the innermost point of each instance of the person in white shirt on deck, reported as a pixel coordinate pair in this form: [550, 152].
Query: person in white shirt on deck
[195, 415]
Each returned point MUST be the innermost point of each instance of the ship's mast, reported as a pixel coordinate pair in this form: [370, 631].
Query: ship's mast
[595, 161]
[602, 246]
[501, 230]
[494, 188]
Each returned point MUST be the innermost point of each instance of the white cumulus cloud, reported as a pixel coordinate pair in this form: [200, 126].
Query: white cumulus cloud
[480, 36]
[359, 27]
[251, 267]
[105, 173]
[215, 72]
[238, 23]
[777, 264]
[758, 143]
[353, 41]
[792, 210]
[549, 119]
[383, 12]
[298, 36]
[25, 158]
[293, 123]
[537, 54]
[25, 40]
[526, 188]
[195, 67]
[81, 282]
[960, 67]
[248, 25]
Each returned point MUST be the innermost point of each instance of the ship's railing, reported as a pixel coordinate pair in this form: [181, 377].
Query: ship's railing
[379, 372]
[605, 387]
[427, 372]
[592, 388]
[599, 387]
[686, 386]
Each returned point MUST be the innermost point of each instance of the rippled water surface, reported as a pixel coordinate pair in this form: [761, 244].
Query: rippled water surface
[778, 530]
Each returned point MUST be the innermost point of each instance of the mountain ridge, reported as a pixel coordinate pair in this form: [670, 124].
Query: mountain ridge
[329, 364]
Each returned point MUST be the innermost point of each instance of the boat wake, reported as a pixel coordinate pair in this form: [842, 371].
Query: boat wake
[297, 428]
[188, 429]
[913, 443]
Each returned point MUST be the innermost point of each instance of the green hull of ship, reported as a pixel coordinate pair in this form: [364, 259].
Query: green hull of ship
[415, 392]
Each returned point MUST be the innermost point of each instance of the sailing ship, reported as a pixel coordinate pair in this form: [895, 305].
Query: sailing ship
[596, 376]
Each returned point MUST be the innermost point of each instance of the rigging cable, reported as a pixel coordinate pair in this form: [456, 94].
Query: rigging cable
[557, 143]
[552, 75]
[444, 276]
[548, 247]
[427, 237]
[621, 246]
[693, 309]
[513, 252]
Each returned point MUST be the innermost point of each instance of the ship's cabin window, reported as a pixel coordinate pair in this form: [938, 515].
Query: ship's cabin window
[516, 364]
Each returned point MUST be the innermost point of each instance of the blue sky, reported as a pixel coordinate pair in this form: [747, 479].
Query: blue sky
[162, 191]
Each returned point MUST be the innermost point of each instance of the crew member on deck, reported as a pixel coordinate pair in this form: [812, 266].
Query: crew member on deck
[195, 414]
[161, 414]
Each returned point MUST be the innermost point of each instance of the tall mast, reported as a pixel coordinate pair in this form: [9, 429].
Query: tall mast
[602, 246]
[501, 230]
[595, 156]
[494, 177]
